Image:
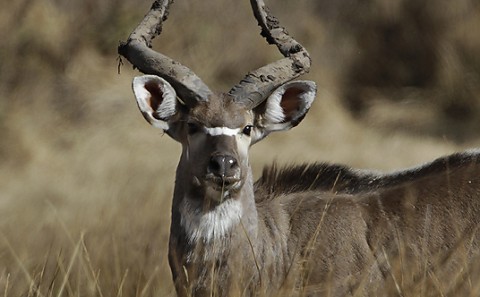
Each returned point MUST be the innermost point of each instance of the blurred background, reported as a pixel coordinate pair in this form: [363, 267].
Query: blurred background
[86, 183]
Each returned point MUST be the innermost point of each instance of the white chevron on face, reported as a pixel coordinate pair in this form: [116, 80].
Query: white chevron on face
[216, 131]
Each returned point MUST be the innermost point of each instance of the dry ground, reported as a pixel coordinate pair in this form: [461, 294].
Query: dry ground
[85, 183]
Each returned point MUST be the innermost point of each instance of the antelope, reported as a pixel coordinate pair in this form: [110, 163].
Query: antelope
[306, 230]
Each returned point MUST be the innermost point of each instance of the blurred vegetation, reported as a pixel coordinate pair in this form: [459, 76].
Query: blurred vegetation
[85, 184]
[418, 53]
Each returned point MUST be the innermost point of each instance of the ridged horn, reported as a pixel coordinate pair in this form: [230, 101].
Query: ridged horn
[258, 84]
[137, 49]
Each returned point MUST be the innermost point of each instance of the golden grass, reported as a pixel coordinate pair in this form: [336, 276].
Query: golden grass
[85, 184]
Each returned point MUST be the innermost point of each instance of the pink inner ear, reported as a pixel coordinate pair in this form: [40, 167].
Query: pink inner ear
[291, 102]
[156, 97]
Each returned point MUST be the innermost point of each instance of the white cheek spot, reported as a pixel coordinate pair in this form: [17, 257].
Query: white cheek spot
[216, 131]
[211, 225]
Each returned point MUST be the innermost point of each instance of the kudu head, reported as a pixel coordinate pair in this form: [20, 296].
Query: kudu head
[216, 130]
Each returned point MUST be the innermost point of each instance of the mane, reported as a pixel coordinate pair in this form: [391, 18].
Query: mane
[337, 178]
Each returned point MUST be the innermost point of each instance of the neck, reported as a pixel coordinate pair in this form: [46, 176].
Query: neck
[207, 226]
[224, 241]
[200, 222]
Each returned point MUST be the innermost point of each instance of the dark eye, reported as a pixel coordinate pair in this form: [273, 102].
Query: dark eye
[247, 130]
[192, 128]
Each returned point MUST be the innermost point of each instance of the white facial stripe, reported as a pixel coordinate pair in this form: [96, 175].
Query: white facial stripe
[216, 131]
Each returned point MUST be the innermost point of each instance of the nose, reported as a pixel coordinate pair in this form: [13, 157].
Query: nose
[223, 165]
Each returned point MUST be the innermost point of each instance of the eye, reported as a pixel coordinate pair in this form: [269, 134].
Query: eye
[247, 130]
[193, 128]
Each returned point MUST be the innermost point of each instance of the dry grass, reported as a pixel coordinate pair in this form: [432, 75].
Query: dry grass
[85, 184]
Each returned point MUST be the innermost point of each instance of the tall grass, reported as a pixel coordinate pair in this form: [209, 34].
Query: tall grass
[85, 184]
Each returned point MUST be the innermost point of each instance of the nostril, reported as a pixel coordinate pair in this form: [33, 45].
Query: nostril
[215, 164]
[230, 162]
[222, 165]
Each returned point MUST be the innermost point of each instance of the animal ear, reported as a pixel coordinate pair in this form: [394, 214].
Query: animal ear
[156, 99]
[285, 107]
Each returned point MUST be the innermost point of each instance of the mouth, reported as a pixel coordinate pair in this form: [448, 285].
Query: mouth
[220, 188]
[222, 184]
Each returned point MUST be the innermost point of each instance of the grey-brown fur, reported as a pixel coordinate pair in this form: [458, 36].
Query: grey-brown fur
[308, 230]
[428, 216]
[327, 228]
[343, 179]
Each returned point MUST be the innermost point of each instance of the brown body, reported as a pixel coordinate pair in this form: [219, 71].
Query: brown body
[318, 229]
[361, 233]
[308, 230]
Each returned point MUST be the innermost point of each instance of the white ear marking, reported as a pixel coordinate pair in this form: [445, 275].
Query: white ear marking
[286, 107]
[310, 90]
[274, 112]
[156, 99]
